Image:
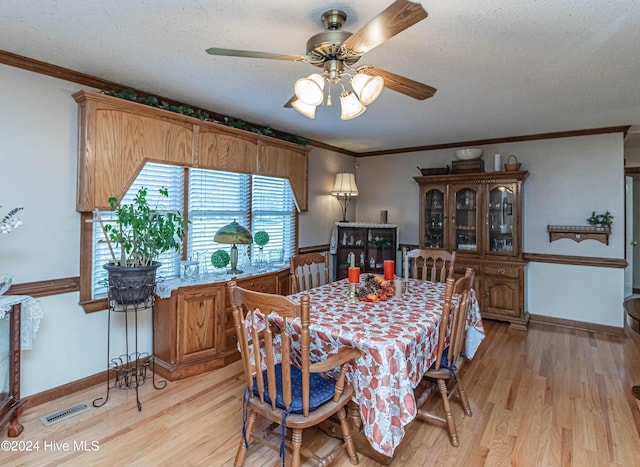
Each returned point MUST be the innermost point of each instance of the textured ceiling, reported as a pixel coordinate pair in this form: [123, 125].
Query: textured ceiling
[502, 67]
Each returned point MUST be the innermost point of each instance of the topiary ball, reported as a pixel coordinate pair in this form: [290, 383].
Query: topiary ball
[220, 259]
[261, 238]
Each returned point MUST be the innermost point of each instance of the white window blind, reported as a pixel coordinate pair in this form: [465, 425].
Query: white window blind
[273, 210]
[215, 200]
[152, 177]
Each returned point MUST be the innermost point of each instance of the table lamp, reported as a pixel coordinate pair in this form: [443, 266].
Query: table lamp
[233, 234]
[344, 189]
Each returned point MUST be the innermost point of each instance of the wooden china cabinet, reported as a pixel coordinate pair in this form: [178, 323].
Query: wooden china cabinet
[479, 215]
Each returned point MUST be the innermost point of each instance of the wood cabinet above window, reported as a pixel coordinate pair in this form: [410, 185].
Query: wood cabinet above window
[117, 137]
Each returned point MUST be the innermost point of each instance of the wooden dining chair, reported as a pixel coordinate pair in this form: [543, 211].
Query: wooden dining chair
[450, 353]
[308, 270]
[432, 265]
[295, 396]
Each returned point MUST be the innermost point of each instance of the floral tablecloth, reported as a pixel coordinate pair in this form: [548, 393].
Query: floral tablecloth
[398, 339]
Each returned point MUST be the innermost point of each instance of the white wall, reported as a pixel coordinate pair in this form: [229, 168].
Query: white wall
[568, 179]
[38, 154]
[324, 210]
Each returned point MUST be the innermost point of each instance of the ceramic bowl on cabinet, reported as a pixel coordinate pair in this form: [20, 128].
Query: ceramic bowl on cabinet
[468, 154]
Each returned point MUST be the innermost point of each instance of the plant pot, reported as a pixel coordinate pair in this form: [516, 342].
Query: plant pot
[131, 285]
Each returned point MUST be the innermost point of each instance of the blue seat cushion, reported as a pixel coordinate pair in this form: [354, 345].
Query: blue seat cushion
[321, 390]
[443, 361]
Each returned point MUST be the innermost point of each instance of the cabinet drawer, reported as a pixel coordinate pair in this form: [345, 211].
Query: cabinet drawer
[502, 271]
[267, 284]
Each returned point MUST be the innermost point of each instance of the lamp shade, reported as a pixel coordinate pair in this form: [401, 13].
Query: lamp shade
[307, 110]
[345, 185]
[351, 106]
[233, 234]
[368, 88]
[310, 90]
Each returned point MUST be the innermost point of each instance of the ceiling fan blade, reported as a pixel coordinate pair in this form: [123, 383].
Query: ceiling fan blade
[251, 54]
[288, 103]
[396, 18]
[401, 84]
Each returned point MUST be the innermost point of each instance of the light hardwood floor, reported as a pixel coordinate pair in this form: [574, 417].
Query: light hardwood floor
[549, 397]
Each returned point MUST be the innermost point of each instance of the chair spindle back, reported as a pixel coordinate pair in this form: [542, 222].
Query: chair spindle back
[431, 265]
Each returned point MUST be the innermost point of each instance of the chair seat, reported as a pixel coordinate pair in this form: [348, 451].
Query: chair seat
[321, 390]
[444, 361]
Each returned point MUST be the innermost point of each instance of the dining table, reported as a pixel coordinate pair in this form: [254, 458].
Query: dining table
[397, 339]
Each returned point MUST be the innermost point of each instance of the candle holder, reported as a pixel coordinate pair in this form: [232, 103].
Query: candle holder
[351, 294]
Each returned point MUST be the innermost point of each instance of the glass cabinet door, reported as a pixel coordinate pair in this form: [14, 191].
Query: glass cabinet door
[466, 219]
[380, 246]
[434, 219]
[352, 244]
[501, 220]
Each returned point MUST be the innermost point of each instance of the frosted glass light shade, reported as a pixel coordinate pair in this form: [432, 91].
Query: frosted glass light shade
[305, 109]
[310, 90]
[368, 88]
[351, 106]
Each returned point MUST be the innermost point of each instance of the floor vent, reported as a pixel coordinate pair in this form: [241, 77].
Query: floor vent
[64, 414]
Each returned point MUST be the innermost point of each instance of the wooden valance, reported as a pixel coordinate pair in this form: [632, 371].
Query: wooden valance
[117, 137]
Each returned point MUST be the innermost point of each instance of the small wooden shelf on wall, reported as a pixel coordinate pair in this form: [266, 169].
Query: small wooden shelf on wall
[579, 233]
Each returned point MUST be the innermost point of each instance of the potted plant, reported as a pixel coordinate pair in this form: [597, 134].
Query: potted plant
[140, 233]
[602, 221]
[261, 238]
[219, 260]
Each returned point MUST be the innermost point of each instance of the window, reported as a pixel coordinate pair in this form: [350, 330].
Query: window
[259, 203]
[213, 199]
[273, 210]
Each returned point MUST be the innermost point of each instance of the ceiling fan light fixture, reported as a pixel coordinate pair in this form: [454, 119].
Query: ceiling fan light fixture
[307, 110]
[310, 90]
[368, 88]
[351, 106]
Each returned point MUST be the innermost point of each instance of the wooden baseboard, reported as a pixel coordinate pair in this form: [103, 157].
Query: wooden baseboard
[66, 389]
[581, 325]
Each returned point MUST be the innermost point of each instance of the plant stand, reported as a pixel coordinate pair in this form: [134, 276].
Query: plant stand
[129, 370]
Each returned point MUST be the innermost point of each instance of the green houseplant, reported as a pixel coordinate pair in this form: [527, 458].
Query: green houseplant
[601, 220]
[139, 233]
[261, 238]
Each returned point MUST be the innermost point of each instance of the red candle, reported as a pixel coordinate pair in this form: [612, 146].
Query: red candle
[389, 269]
[354, 275]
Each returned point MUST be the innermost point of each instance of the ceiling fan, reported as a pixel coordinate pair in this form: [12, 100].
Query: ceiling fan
[337, 52]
